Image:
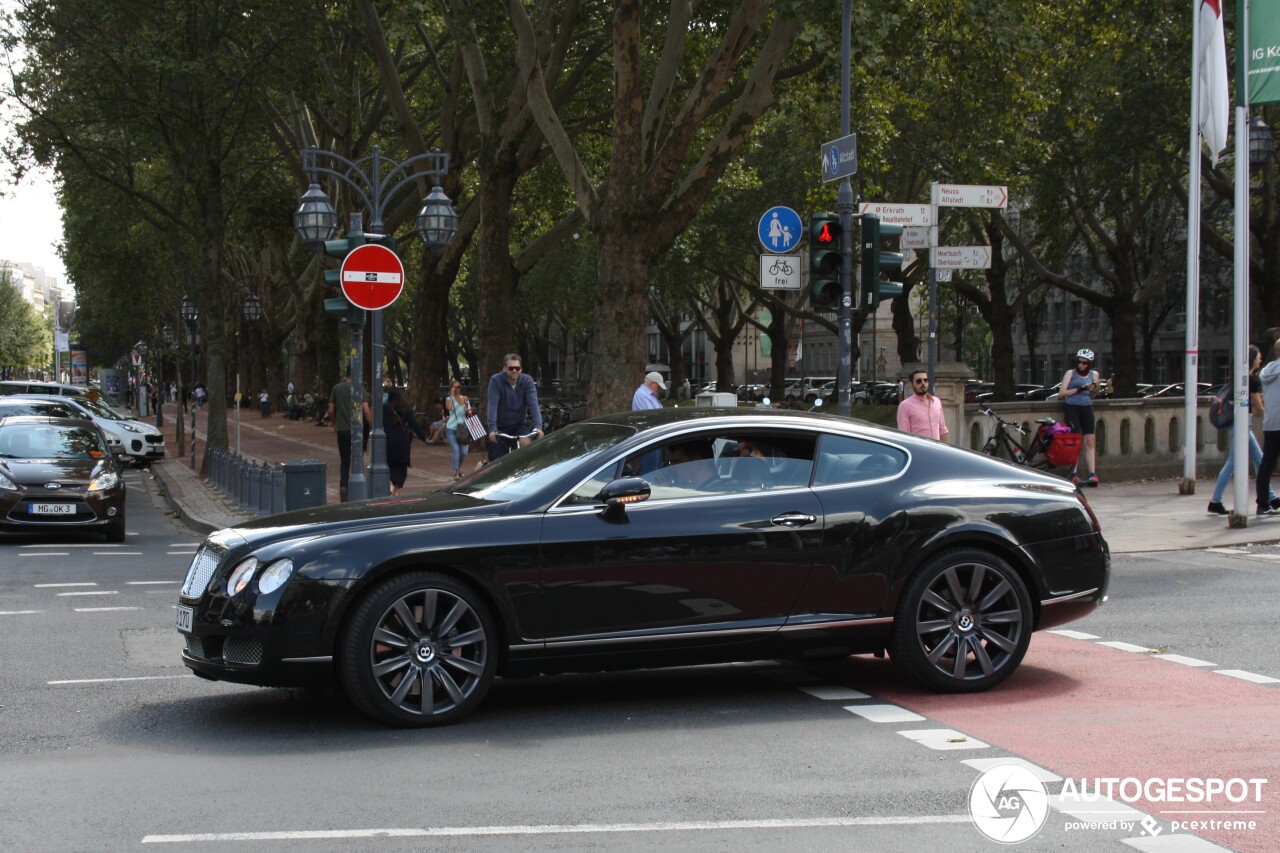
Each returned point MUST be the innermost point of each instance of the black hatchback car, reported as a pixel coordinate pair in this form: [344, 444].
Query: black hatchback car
[58, 474]
[645, 539]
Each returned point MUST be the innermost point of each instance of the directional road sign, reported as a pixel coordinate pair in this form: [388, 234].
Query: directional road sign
[916, 237]
[894, 213]
[372, 277]
[962, 195]
[962, 257]
[840, 158]
[780, 230]
[780, 272]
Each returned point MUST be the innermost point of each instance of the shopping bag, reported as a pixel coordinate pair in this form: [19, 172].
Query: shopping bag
[475, 428]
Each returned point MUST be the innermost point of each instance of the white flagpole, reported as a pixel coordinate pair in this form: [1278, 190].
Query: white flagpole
[1190, 367]
[1240, 338]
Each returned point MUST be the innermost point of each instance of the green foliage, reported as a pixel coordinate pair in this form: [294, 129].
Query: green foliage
[26, 338]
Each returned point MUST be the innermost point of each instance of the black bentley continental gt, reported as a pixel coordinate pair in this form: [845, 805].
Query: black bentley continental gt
[651, 539]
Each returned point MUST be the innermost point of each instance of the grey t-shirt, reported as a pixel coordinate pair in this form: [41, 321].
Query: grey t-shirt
[341, 398]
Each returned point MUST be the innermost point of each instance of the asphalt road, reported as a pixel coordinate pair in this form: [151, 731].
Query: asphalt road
[107, 743]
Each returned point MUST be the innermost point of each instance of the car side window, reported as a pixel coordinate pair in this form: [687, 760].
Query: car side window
[843, 459]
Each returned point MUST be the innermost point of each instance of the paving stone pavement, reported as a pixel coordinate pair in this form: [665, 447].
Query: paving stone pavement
[1142, 516]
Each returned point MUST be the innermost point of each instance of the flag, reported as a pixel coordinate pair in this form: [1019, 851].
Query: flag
[1211, 77]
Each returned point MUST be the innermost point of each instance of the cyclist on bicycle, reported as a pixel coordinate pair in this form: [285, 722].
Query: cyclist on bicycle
[513, 398]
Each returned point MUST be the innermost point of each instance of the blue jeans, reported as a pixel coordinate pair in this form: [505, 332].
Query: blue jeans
[458, 449]
[1228, 467]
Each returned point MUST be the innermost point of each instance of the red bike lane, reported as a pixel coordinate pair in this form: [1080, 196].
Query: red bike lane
[1087, 712]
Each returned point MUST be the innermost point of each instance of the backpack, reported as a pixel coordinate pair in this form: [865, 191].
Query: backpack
[1222, 411]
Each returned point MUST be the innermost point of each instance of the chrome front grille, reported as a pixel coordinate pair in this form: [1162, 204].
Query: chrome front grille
[240, 650]
[202, 569]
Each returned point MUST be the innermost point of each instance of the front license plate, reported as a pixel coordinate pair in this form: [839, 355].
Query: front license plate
[53, 509]
[184, 618]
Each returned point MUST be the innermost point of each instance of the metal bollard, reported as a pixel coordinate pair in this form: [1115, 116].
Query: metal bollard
[245, 473]
[237, 467]
[277, 489]
[264, 490]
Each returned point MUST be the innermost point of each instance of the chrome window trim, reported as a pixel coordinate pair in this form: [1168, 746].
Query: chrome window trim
[1060, 599]
[837, 623]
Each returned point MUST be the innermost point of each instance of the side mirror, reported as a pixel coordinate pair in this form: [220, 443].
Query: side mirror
[617, 494]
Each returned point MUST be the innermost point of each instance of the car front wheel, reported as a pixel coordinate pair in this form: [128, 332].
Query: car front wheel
[963, 623]
[419, 651]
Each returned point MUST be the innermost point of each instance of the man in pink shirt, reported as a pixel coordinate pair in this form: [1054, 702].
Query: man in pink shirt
[921, 413]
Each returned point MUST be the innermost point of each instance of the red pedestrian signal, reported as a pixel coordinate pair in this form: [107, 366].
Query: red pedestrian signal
[825, 235]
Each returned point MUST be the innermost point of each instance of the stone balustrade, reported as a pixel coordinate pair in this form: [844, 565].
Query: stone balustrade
[1135, 438]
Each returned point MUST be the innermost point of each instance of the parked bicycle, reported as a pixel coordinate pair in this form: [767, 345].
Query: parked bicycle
[1053, 445]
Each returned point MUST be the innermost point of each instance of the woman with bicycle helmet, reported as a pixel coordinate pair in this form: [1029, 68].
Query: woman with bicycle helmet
[1076, 393]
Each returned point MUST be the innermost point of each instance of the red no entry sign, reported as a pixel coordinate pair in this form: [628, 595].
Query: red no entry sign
[372, 277]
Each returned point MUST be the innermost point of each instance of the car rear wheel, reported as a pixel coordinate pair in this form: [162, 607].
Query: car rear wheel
[963, 623]
[419, 651]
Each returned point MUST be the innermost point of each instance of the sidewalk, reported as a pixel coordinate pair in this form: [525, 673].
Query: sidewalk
[1141, 516]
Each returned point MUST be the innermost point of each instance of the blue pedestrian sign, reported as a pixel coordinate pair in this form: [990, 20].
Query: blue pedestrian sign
[780, 230]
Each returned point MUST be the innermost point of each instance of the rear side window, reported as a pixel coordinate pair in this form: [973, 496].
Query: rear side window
[843, 459]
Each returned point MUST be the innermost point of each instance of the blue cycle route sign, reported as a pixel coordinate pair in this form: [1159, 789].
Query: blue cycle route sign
[779, 230]
[840, 158]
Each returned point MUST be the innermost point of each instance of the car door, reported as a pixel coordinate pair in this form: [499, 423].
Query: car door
[724, 558]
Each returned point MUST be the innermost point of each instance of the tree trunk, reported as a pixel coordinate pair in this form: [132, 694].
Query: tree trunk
[619, 356]
[496, 278]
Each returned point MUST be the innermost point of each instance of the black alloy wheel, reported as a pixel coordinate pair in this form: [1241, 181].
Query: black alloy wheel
[963, 623]
[419, 651]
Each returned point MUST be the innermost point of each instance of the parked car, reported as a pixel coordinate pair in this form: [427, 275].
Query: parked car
[17, 406]
[574, 554]
[57, 474]
[141, 442]
[23, 386]
[1179, 389]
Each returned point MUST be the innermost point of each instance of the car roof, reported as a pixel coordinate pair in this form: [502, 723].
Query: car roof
[27, 420]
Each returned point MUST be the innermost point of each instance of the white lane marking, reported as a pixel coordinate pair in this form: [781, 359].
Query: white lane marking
[149, 583]
[1185, 661]
[1173, 844]
[834, 692]
[107, 680]
[71, 545]
[1248, 676]
[158, 592]
[103, 609]
[94, 592]
[984, 764]
[944, 739]
[884, 713]
[19, 612]
[117, 553]
[181, 553]
[1075, 635]
[1126, 647]
[559, 829]
[55, 585]
[1227, 550]
[45, 554]
[1266, 556]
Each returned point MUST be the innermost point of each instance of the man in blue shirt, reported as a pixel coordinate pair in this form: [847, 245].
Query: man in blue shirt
[513, 396]
[646, 396]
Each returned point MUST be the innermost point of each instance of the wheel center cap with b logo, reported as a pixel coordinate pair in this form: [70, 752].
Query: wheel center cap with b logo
[424, 651]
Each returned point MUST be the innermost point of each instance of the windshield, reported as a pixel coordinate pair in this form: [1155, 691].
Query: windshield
[46, 441]
[525, 471]
[100, 409]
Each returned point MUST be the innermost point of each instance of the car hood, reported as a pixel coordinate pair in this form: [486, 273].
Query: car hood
[39, 471]
[356, 515]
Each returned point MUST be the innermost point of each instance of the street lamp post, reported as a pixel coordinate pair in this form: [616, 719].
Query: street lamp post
[166, 336]
[252, 313]
[375, 180]
[191, 316]
[141, 349]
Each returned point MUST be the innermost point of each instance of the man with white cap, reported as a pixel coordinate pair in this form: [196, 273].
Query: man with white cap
[646, 396]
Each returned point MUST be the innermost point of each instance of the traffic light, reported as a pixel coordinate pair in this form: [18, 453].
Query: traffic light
[875, 261]
[342, 247]
[824, 262]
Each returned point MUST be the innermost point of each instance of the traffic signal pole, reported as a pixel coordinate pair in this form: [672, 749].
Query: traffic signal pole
[844, 206]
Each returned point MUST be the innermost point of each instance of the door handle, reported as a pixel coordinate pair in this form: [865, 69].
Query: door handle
[794, 519]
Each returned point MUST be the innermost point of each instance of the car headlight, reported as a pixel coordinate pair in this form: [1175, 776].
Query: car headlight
[6, 483]
[130, 428]
[105, 480]
[275, 576]
[241, 575]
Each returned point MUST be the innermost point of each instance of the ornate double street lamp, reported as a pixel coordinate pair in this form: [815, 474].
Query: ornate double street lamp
[191, 317]
[375, 180]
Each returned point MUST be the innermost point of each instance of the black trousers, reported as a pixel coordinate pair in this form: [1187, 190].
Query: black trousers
[344, 466]
[1270, 453]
